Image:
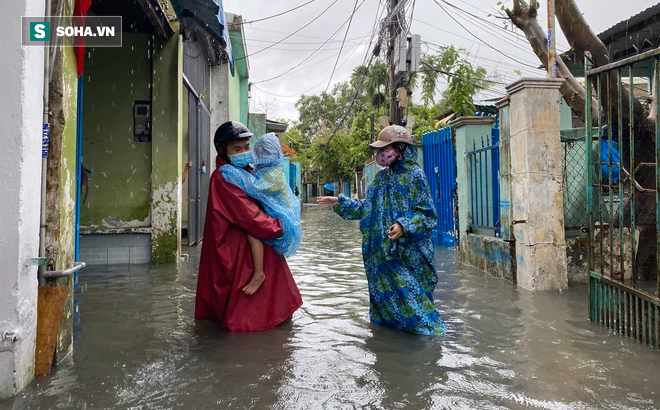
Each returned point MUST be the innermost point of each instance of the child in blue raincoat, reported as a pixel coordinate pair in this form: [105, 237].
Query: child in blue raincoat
[268, 185]
[397, 219]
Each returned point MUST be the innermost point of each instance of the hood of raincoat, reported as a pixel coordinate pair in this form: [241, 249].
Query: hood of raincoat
[409, 160]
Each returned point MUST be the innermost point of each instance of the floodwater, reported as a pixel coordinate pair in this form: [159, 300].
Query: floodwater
[137, 346]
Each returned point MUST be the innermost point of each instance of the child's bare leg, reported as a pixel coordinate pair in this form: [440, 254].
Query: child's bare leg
[259, 276]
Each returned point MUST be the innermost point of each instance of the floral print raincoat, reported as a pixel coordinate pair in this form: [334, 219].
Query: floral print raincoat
[401, 274]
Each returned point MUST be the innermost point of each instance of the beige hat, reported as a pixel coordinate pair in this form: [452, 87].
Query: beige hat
[390, 135]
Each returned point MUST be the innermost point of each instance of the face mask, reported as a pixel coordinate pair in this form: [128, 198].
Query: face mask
[241, 160]
[386, 158]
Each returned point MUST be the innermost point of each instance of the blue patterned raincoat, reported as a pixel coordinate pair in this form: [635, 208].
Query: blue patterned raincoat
[401, 274]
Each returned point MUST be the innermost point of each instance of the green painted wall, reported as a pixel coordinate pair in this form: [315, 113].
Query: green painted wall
[465, 136]
[167, 149]
[119, 187]
[245, 102]
[239, 84]
[67, 190]
[234, 96]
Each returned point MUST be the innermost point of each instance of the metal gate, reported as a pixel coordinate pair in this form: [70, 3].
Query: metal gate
[197, 77]
[623, 192]
[440, 170]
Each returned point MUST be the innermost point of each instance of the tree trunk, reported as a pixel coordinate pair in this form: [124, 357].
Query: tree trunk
[524, 17]
[581, 38]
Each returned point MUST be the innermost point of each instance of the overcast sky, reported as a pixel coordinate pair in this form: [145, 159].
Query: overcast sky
[501, 53]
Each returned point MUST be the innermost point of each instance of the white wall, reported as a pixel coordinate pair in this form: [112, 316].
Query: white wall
[21, 89]
[219, 100]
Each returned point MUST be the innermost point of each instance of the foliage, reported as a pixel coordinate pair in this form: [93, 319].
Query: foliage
[337, 154]
[464, 81]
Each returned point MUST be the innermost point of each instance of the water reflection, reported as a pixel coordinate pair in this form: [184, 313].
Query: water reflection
[506, 348]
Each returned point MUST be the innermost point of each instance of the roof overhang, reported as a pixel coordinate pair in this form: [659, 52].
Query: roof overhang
[207, 18]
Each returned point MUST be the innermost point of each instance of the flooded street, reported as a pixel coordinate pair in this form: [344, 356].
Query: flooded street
[137, 346]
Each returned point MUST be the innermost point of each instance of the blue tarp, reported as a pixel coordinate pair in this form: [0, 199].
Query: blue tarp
[211, 15]
[605, 151]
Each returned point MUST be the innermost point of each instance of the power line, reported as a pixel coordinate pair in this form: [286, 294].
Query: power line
[482, 41]
[313, 53]
[317, 85]
[302, 49]
[517, 35]
[522, 69]
[372, 34]
[284, 32]
[292, 34]
[358, 90]
[350, 21]
[475, 80]
[276, 15]
[482, 23]
[310, 43]
[313, 64]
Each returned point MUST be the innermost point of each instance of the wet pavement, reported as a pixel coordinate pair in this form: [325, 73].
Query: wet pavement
[137, 346]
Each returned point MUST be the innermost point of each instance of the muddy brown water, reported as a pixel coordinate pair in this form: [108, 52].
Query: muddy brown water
[137, 346]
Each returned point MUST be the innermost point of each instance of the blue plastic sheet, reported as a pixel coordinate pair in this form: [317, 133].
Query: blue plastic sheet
[605, 150]
[268, 185]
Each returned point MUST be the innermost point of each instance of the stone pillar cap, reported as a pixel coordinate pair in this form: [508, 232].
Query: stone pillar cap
[547, 83]
[462, 121]
[503, 102]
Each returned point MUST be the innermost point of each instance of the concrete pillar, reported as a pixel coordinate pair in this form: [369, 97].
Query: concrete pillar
[21, 108]
[536, 184]
[219, 103]
[466, 131]
[167, 138]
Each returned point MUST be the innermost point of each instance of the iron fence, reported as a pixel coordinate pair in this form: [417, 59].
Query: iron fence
[623, 199]
[484, 178]
[440, 170]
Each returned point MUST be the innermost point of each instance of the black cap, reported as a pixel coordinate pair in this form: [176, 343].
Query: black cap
[230, 131]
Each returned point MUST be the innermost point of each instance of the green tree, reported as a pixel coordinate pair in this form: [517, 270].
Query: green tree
[464, 81]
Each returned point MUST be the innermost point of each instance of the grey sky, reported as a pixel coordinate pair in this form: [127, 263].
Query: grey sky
[312, 76]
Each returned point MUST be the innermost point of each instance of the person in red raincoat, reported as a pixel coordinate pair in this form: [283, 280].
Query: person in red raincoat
[226, 264]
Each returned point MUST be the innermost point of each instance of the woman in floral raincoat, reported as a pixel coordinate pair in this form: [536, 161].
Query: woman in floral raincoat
[397, 219]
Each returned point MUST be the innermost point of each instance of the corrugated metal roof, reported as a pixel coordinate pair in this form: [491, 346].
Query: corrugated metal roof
[623, 26]
[629, 37]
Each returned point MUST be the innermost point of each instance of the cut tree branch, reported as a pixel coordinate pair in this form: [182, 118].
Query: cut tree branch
[582, 38]
[524, 17]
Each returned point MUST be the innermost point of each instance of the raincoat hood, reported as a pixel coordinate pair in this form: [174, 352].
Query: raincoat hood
[409, 160]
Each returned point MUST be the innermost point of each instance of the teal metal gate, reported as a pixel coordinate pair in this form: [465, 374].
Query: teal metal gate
[623, 161]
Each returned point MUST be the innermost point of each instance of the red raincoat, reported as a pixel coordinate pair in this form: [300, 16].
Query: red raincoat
[226, 264]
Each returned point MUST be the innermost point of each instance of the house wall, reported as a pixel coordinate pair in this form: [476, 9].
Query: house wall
[119, 186]
[239, 85]
[21, 109]
[234, 102]
[167, 150]
[61, 178]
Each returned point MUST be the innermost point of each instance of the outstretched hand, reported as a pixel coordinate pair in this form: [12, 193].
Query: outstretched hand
[327, 202]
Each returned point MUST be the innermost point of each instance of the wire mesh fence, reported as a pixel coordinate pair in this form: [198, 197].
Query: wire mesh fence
[574, 169]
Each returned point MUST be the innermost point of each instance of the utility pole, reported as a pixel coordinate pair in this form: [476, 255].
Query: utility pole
[392, 49]
[552, 50]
